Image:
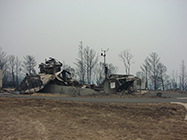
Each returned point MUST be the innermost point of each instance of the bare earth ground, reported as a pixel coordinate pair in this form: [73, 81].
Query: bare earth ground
[52, 119]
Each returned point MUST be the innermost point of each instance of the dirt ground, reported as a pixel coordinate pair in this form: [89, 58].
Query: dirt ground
[52, 119]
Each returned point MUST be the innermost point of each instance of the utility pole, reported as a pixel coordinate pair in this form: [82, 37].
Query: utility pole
[105, 66]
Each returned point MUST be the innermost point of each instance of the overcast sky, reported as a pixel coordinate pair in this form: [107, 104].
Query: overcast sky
[44, 28]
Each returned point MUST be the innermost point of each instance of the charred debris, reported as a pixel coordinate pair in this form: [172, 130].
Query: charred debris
[53, 79]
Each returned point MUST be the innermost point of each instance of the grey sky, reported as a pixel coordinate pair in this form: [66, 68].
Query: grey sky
[54, 28]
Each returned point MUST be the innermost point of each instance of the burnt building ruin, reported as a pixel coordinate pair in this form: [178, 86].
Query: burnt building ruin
[51, 79]
[122, 83]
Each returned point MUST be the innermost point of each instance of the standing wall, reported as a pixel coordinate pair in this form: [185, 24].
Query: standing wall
[69, 90]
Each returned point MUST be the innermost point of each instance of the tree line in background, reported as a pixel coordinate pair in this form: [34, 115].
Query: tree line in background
[14, 69]
[88, 70]
[154, 72]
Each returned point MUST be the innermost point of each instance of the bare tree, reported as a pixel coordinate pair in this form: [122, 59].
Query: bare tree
[4, 66]
[154, 61]
[86, 61]
[168, 82]
[183, 76]
[18, 69]
[9, 65]
[145, 68]
[99, 73]
[126, 57]
[15, 68]
[162, 74]
[12, 67]
[173, 80]
[3, 58]
[80, 66]
[91, 60]
[29, 64]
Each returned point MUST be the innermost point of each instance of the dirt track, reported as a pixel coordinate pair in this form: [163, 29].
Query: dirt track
[49, 119]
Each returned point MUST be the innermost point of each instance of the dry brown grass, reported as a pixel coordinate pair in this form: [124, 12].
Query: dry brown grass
[52, 119]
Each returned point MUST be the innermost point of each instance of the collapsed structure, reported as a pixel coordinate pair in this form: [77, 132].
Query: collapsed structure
[50, 74]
